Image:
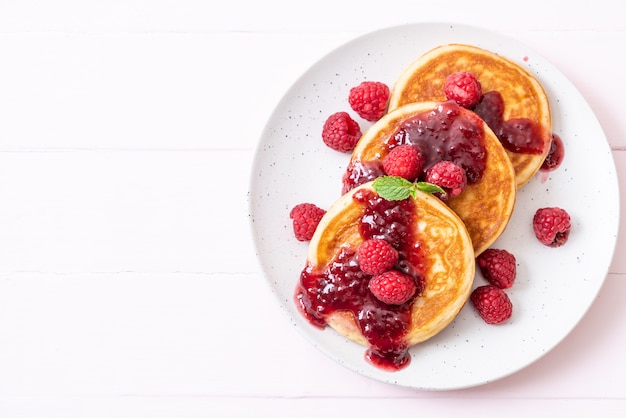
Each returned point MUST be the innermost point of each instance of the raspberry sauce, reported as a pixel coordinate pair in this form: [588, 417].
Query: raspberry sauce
[555, 156]
[446, 133]
[342, 286]
[519, 135]
[359, 172]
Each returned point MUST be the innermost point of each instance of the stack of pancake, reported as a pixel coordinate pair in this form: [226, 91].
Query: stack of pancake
[454, 232]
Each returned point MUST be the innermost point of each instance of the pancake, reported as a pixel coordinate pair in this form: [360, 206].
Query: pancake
[435, 248]
[486, 204]
[523, 97]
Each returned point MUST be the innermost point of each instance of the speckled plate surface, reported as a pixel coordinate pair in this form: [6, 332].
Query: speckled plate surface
[554, 287]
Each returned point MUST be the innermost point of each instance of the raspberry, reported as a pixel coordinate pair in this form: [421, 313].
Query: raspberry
[449, 176]
[376, 256]
[393, 287]
[341, 132]
[552, 226]
[404, 161]
[498, 267]
[369, 100]
[463, 88]
[492, 304]
[306, 217]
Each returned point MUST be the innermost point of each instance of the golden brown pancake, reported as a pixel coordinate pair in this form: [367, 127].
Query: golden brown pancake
[436, 249]
[523, 96]
[485, 206]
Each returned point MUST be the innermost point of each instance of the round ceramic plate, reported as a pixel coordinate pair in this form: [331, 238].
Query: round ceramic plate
[554, 286]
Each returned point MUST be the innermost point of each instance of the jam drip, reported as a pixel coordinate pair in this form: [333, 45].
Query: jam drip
[555, 155]
[342, 286]
[360, 172]
[519, 135]
[445, 133]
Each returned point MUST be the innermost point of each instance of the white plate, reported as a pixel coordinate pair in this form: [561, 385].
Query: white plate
[554, 287]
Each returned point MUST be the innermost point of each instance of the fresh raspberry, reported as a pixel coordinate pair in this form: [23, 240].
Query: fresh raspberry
[492, 304]
[463, 88]
[341, 132]
[552, 226]
[393, 287]
[369, 100]
[404, 161]
[306, 217]
[376, 256]
[449, 176]
[498, 267]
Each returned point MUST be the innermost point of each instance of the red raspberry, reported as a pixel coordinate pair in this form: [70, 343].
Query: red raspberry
[498, 267]
[369, 99]
[341, 132]
[464, 89]
[306, 217]
[404, 161]
[492, 304]
[449, 176]
[393, 287]
[552, 226]
[376, 256]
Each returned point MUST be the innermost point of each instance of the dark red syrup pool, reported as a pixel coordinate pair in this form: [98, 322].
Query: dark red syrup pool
[342, 286]
[448, 132]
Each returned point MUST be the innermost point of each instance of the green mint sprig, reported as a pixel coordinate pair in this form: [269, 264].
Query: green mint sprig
[398, 188]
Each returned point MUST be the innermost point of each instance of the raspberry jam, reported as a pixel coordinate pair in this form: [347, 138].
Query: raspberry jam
[359, 172]
[555, 155]
[518, 135]
[445, 133]
[342, 286]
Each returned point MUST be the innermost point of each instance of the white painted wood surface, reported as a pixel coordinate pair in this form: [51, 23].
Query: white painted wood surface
[128, 280]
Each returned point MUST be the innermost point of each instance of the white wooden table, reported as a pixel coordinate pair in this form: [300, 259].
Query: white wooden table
[128, 280]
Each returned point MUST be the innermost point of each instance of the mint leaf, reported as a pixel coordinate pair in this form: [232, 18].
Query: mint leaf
[393, 187]
[423, 186]
[397, 188]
